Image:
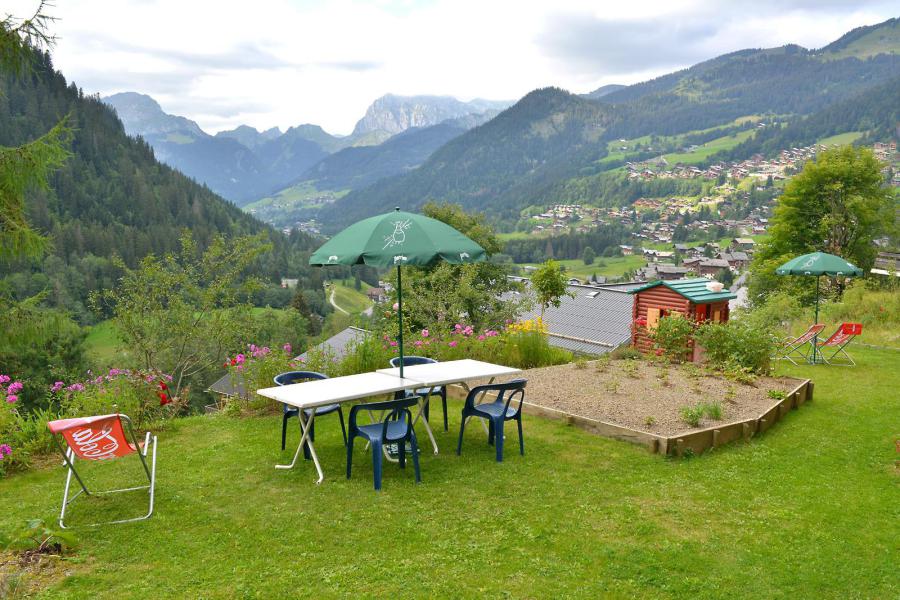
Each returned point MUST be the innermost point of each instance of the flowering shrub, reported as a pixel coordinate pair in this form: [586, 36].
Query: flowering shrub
[21, 433]
[145, 396]
[255, 369]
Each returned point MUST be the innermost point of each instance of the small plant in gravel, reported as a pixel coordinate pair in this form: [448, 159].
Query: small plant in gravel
[630, 368]
[742, 375]
[663, 375]
[692, 414]
[612, 385]
[650, 421]
[625, 353]
[580, 363]
[776, 394]
[691, 371]
[601, 365]
[730, 393]
[713, 410]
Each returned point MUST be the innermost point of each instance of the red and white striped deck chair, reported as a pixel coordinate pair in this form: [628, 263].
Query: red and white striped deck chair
[800, 346]
[101, 438]
[838, 341]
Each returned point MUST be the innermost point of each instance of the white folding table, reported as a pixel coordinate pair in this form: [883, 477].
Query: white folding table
[434, 375]
[320, 392]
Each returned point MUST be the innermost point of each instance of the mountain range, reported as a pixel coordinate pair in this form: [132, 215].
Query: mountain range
[243, 164]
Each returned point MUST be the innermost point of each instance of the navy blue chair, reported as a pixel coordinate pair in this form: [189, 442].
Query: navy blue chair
[496, 412]
[289, 411]
[410, 361]
[395, 428]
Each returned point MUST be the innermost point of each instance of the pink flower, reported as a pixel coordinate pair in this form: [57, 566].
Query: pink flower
[393, 344]
[75, 387]
[481, 338]
[396, 306]
[468, 330]
[14, 387]
[286, 348]
[418, 344]
[4, 378]
[458, 327]
[57, 386]
[453, 344]
[239, 359]
[424, 333]
[5, 450]
[12, 398]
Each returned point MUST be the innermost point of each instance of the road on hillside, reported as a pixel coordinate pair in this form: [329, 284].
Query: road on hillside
[334, 304]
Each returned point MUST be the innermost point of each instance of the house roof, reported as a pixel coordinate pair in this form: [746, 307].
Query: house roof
[595, 321]
[694, 290]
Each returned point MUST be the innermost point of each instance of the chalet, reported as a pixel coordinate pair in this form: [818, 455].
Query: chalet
[671, 272]
[712, 267]
[289, 283]
[626, 250]
[738, 261]
[377, 294]
[697, 299]
[744, 244]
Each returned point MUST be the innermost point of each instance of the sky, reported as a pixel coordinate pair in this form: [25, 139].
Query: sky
[280, 63]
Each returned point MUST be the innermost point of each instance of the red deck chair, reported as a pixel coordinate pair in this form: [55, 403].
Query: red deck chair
[838, 341]
[101, 438]
[800, 346]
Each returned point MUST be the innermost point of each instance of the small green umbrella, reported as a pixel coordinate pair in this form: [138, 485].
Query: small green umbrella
[818, 264]
[397, 239]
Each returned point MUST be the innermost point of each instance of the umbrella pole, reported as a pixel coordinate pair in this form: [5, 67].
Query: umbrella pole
[815, 339]
[400, 315]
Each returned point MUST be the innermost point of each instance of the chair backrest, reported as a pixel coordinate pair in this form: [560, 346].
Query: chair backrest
[94, 438]
[297, 376]
[508, 389]
[398, 405]
[809, 334]
[411, 361]
[844, 334]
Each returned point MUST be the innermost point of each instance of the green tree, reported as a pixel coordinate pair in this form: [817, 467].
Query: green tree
[28, 166]
[549, 285]
[837, 204]
[588, 255]
[181, 314]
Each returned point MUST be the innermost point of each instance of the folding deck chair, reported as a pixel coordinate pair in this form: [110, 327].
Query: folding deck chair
[101, 438]
[838, 341]
[797, 346]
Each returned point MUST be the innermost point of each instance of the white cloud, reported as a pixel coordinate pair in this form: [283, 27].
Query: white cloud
[277, 62]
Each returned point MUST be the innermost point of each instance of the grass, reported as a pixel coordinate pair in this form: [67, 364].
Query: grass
[709, 148]
[614, 266]
[841, 139]
[102, 346]
[807, 510]
[349, 299]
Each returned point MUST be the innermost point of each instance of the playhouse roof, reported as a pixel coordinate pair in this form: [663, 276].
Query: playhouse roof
[694, 290]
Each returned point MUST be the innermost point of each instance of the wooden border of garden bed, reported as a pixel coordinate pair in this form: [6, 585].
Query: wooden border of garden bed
[695, 442]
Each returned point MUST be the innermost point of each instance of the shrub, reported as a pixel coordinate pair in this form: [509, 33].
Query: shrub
[612, 385]
[672, 336]
[601, 365]
[256, 369]
[580, 363]
[736, 343]
[630, 368]
[713, 410]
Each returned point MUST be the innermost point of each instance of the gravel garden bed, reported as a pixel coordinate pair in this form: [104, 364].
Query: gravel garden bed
[650, 397]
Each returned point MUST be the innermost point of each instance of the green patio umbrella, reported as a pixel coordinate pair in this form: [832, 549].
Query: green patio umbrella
[818, 264]
[396, 239]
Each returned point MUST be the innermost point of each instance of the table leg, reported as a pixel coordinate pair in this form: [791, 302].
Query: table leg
[305, 427]
[423, 402]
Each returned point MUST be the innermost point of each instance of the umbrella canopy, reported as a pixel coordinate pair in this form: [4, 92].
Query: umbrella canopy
[396, 239]
[819, 263]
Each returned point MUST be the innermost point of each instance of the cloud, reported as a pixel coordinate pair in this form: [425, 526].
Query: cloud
[283, 62]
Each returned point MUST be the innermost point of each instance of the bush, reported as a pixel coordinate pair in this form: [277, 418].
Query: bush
[736, 343]
[692, 414]
[672, 336]
[256, 370]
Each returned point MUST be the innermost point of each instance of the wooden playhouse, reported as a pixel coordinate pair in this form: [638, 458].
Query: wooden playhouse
[698, 299]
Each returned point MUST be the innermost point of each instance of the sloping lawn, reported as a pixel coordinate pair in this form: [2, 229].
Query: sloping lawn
[810, 509]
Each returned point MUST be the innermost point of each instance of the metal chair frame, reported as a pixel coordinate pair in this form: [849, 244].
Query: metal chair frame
[69, 457]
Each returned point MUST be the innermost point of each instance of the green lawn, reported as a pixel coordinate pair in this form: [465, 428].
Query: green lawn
[709, 148]
[808, 510]
[349, 299]
[102, 345]
[614, 266]
[841, 139]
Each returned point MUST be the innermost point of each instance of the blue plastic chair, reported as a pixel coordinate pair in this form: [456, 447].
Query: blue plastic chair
[410, 361]
[289, 411]
[496, 412]
[395, 428]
